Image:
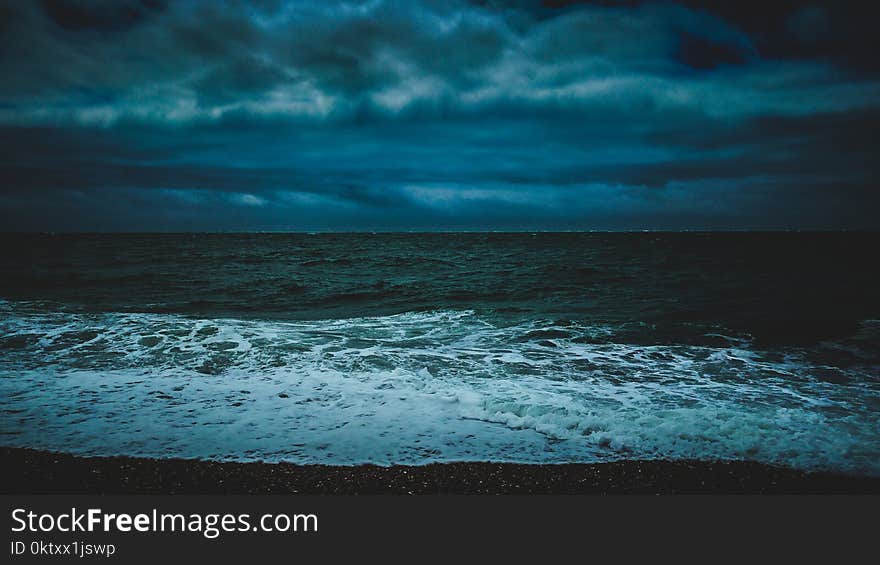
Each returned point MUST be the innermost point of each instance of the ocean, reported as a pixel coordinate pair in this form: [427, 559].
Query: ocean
[418, 348]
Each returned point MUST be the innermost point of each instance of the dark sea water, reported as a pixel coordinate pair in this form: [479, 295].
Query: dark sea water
[411, 348]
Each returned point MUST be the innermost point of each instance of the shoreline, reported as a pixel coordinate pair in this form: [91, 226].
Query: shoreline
[30, 471]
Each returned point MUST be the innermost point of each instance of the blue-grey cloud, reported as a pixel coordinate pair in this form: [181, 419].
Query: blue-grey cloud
[142, 114]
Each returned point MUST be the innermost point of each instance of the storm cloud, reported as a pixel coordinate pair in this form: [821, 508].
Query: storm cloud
[284, 115]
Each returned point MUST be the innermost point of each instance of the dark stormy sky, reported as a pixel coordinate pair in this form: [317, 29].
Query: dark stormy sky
[420, 115]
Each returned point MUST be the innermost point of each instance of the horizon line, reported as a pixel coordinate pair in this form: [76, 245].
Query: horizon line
[441, 232]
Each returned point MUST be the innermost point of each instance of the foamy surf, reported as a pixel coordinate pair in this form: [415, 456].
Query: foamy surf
[418, 388]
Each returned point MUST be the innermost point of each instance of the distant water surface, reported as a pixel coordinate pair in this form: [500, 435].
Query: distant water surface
[411, 348]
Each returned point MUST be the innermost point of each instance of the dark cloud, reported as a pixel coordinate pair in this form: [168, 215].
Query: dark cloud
[703, 53]
[437, 115]
[100, 15]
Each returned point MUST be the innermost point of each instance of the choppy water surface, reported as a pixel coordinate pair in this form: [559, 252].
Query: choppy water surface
[418, 348]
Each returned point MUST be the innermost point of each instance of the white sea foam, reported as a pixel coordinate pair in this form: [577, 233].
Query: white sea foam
[416, 388]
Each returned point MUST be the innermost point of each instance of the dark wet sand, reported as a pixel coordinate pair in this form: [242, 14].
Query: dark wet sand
[31, 471]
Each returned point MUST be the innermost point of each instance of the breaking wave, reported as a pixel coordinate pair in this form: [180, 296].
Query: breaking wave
[421, 387]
